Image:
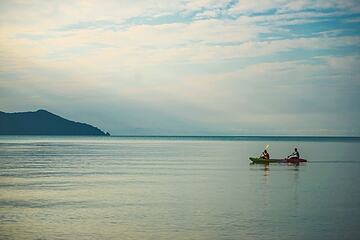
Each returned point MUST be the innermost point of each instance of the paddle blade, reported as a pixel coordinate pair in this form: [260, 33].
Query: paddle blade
[267, 146]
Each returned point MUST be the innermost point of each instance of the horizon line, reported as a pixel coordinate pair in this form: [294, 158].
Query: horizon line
[161, 135]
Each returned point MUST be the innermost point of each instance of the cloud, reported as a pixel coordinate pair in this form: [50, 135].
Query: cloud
[223, 65]
[281, 6]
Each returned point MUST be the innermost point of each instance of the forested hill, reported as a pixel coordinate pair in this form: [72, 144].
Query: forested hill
[43, 122]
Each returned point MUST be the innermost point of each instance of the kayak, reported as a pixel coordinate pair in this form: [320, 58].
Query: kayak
[273, 160]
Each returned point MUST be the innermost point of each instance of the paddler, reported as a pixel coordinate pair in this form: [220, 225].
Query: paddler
[295, 154]
[265, 155]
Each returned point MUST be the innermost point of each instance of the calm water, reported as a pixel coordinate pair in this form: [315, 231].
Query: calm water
[177, 188]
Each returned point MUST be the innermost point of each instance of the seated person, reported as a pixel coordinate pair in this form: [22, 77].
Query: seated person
[265, 155]
[295, 154]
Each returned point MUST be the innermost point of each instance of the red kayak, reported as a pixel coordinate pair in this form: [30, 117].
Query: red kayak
[295, 160]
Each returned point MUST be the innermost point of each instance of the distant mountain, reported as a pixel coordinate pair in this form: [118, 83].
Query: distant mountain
[43, 122]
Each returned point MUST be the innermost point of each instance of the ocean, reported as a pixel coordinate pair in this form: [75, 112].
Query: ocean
[177, 188]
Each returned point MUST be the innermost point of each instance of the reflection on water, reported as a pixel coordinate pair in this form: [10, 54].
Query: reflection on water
[266, 169]
[118, 188]
[296, 180]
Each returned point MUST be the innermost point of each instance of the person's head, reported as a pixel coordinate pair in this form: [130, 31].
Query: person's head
[295, 149]
[265, 151]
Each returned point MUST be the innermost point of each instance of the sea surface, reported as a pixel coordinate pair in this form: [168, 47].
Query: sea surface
[177, 188]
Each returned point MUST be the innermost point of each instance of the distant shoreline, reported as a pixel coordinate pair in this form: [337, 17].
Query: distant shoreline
[214, 138]
[246, 137]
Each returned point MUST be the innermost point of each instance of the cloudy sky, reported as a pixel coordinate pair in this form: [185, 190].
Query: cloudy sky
[186, 67]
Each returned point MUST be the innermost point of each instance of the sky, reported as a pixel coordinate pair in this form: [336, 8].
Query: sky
[201, 67]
